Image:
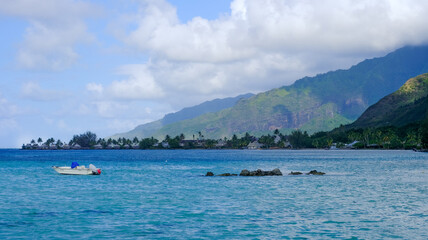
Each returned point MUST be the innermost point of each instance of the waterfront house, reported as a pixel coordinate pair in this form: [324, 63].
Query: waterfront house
[351, 145]
[277, 139]
[165, 144]
[220, 144]
[135, 146]
[76, 146]
[98, 146]
[255, 145]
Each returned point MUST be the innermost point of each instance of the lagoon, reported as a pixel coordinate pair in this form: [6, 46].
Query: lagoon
[162, 194]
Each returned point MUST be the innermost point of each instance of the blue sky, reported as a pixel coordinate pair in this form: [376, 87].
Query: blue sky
[70, 66]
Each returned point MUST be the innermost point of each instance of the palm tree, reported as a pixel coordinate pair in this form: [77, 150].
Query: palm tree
[182, 137]
[329, 142]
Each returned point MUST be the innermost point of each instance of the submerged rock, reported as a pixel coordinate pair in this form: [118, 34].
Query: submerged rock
[315, 172]
[227, 175]
[209, 174]
[259, 172]
[295, 173]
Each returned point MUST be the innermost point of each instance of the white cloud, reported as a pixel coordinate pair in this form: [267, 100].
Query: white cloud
[98, 89]
[55, 28]
[33, 91]
[139, 84]
[255, 27]
[259, 45]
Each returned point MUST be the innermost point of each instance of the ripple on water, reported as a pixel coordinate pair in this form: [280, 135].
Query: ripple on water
[365, 195]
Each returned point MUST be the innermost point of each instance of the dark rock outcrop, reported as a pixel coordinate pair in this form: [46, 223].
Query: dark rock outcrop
[295, 173]
[244, 172]
[315, 172]
[209, 174]
[259, 173]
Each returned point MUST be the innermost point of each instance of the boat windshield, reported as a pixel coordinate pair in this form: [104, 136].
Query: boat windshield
[74, 164]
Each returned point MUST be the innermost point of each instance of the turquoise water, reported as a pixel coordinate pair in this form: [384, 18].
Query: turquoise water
[163, 195]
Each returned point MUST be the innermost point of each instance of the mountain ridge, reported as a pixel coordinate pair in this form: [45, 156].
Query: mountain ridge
[148, 129]
[319, 103]
[407, 105]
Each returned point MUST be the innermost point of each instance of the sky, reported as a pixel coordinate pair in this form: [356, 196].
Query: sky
[106, 66]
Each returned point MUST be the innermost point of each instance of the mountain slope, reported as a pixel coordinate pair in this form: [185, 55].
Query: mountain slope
[407, 105]
[150, 129]
[318, 103]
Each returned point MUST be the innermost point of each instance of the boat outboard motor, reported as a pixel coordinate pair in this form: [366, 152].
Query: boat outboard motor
[95, 171]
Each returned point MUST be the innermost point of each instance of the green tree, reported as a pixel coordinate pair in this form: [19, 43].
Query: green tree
[268, 140]
[424, 134]
[234, 142]
[87, 139]
[210, 143]
[182, 137]
[174, 142]
[49, 141]
[329, 142]
[299, 139]
[148, 143]
[59, 143]
[167, 138]
[367, 136]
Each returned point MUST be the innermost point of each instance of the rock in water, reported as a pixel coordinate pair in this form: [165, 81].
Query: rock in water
[295, 173]
[209, 174]
[259, 173]
[315, 172]
[227, 175]
[276, 172]
[244, 172]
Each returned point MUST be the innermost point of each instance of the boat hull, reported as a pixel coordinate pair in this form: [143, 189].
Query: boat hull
[75, 171]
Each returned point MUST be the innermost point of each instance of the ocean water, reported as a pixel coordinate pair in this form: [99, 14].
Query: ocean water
[164, 195]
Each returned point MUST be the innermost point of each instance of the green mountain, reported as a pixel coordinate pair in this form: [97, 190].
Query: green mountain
[150, 129]
[314, 104]
[318, 103]
[407, 105]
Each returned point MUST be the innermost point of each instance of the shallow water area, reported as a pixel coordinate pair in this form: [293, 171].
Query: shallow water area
[164, 194]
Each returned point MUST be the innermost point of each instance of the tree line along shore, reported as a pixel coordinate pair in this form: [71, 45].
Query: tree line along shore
[412, 136]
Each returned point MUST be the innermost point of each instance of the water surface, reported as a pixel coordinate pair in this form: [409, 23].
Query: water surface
[163, 194]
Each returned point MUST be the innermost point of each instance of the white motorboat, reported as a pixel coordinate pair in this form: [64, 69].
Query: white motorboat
[76, 169]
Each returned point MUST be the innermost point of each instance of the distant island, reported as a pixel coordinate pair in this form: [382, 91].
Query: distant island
[412, 136]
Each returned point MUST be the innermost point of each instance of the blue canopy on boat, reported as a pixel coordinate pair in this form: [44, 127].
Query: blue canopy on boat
[74, 164]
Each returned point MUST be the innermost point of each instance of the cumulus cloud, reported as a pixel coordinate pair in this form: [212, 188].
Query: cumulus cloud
[255, 26]
[259, 44]
[33, 91]
[139, 84]
[55, 28]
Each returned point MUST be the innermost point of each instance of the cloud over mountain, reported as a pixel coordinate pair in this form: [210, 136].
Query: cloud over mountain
[277, 41]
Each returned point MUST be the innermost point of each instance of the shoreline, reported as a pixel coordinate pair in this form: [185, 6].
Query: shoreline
[212, 149]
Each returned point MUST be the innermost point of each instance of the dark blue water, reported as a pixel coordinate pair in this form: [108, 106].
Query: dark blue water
[163, 195]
